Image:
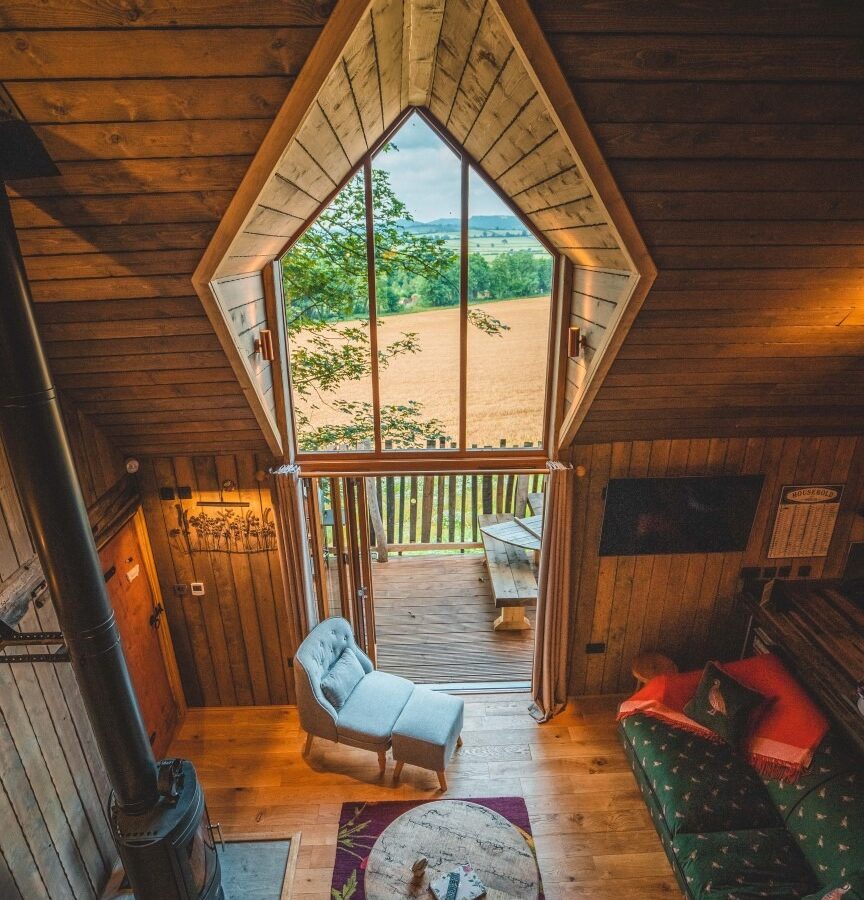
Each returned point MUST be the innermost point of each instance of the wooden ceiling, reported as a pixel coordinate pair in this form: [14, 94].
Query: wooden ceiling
[456, 59]
[735, 133]
[152, 112]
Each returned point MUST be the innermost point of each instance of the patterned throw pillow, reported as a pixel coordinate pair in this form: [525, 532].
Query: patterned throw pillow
[344, 675]
[723, 704]
[851, 888]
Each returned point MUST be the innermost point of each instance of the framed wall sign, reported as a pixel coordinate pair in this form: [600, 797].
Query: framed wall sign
[806, 516]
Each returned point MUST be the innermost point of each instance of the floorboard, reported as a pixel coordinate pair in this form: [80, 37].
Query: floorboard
[594, 837]
[434, 617]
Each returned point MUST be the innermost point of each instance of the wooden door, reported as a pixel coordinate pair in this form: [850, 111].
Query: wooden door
[139, 620]
[354, 559]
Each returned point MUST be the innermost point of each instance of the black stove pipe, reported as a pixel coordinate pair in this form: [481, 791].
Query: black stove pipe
[44, 473]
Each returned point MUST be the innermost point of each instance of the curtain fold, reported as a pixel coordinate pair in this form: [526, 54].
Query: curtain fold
[552, 631]
[293, 554]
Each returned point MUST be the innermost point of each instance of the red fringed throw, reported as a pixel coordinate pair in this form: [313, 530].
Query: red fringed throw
[785, 733]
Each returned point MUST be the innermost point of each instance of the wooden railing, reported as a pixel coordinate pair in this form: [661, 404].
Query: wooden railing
[439, 512]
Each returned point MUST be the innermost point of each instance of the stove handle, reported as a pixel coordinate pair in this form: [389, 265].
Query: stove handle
[217, 827]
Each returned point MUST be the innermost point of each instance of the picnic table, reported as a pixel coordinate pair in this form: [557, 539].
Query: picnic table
[514, 585]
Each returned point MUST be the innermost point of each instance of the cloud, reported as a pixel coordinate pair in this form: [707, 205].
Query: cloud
[425, 173]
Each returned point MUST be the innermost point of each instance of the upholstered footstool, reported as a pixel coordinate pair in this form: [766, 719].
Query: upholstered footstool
[427, 731]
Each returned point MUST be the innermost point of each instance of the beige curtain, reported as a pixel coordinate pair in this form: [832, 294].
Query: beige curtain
[552, 631]
[294, 553]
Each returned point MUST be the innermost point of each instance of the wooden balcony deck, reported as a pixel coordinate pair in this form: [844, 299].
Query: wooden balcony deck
[434, 616]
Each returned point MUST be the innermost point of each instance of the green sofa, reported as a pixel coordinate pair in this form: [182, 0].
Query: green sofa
[730, 833]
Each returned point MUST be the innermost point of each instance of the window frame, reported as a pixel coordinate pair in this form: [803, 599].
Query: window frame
[439, 459]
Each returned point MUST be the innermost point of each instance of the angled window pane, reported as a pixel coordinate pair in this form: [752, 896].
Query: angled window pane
[326, 290]
[509, 305]
[417, 203]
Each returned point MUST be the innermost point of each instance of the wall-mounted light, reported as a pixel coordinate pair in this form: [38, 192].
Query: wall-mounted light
[226, 486]
[576, 343]
[264, 344]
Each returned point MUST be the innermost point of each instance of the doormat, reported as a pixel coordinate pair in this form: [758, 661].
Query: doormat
[252, 867]
[361, 824]
[258, 869]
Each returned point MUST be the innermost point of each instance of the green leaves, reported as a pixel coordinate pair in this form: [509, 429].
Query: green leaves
[327, 303]
[349, 889]
[403, 425]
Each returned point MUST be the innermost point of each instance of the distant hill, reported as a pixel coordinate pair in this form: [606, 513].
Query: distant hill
[475, 223]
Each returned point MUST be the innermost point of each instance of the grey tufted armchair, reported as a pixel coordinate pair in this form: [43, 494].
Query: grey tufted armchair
[367, 717]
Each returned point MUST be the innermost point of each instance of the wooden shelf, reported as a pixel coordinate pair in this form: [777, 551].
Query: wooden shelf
[820, 632]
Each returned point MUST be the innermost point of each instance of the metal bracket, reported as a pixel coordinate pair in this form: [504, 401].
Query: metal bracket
[9, 637]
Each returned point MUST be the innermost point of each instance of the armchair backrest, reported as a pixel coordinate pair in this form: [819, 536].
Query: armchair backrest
[313, 660]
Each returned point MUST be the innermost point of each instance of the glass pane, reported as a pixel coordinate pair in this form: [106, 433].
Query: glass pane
[509, 304]
[417, 203]
[327, 317]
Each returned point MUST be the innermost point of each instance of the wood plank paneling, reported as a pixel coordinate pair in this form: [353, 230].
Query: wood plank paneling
[168, 53]
[152, 116]
[162, 13]
[242, 303]
[230, 642]
[56, 837]
[734, 134]
[735, 147]
[681, 604]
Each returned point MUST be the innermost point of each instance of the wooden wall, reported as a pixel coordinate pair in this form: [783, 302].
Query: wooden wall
[242, 301]
[682, 604]
[97, 460]
[231, 644]
[736, 135]
[56, 841]
[597, 302]
[734, 132]
[152, 116]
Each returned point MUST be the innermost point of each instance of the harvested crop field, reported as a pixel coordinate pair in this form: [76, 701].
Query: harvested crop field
[506, 372]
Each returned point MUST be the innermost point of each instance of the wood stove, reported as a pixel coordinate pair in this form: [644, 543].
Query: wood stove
[169, 850]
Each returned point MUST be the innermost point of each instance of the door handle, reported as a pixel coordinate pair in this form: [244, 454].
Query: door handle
[156, 616]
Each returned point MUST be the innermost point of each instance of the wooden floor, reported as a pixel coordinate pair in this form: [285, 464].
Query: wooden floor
[593, 834]
[434, 618]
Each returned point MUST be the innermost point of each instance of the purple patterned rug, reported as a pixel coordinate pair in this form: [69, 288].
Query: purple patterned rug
[361, 824]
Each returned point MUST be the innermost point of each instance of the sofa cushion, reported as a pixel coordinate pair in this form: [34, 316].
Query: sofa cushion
[369, 714]
[832, 757]
[851, 888]
[699, 785]
[344, 675]
[828, 826]
[723, 705]
[746, 863]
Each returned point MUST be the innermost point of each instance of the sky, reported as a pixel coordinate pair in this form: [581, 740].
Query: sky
[425, 175]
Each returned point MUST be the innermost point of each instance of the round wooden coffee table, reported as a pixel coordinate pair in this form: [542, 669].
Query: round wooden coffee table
[449, 833]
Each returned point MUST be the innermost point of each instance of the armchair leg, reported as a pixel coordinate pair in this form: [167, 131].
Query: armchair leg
[459, 741]
[308, 747]
[442, 780]
[397, 772]
[382, 760]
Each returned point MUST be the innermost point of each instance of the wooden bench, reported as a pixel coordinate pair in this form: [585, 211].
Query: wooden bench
[512, 577]
[535, 503]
